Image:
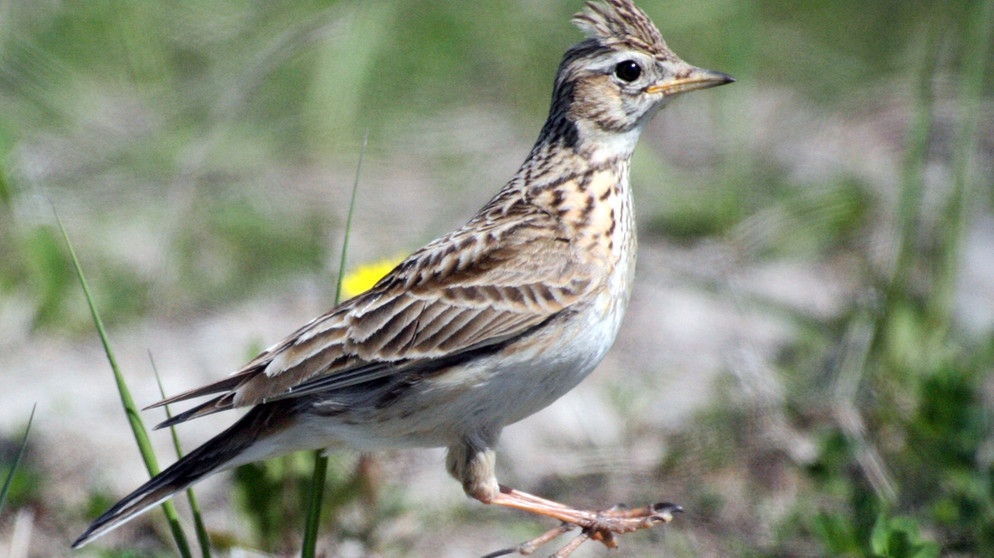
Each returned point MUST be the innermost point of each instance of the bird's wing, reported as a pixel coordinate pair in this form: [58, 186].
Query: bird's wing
[478, 286]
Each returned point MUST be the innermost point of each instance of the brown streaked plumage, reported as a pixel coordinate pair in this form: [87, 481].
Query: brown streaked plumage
[484, 326]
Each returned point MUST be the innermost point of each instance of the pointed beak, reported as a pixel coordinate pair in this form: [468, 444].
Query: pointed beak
[690, 80]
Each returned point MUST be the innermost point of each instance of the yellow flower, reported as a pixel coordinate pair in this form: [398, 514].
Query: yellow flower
[363, 278]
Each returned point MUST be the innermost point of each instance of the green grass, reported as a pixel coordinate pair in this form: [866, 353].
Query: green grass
[127, 402]
[203, 537]
[319, 480]
[12, 470]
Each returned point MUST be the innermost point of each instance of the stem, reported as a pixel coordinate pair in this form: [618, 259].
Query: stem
[130, 410]
[314, 504]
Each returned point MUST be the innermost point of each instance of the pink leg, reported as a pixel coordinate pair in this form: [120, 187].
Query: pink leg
[597, 525]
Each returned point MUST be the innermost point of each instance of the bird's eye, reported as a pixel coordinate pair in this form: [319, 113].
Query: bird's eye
[628, 71]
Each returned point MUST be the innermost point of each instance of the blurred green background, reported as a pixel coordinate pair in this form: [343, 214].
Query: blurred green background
[202, 156]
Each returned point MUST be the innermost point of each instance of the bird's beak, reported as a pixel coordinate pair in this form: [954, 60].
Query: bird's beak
[690, 80]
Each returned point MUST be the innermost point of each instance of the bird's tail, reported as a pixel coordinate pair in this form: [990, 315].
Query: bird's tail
[226, 450]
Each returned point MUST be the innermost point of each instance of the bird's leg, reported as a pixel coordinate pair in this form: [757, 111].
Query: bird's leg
[596, 525]
[600, 524]
[472, 463]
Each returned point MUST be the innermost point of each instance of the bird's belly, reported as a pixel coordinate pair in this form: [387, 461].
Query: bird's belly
[548, 364]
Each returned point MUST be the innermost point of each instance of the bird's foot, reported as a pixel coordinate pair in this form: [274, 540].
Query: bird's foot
[603, 526]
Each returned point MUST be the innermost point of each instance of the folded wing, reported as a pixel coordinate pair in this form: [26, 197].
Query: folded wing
[463, 292]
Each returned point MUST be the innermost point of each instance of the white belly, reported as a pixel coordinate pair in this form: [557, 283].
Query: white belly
[550, 363]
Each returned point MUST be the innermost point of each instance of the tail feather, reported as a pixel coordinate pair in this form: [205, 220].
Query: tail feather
[215, 405]
[217, 454]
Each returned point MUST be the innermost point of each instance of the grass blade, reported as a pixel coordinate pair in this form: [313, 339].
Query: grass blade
[348, 221]
[976, 45]
[203, 537]
[913, 179]
[17, 460]
[130, 410]
[315, 503]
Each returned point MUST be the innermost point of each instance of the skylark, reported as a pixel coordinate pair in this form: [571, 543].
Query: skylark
[484, 326]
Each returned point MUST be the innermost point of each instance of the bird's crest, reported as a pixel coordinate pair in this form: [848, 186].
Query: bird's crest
[621, 23]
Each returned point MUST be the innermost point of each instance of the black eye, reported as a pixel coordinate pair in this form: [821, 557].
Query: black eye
[628, 71]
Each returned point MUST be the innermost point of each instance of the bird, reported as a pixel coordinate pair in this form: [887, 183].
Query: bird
[483, 326]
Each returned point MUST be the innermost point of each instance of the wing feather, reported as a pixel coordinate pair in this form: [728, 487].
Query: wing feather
[465, 291]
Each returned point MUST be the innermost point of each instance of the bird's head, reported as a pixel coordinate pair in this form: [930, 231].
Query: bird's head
[610, 85]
